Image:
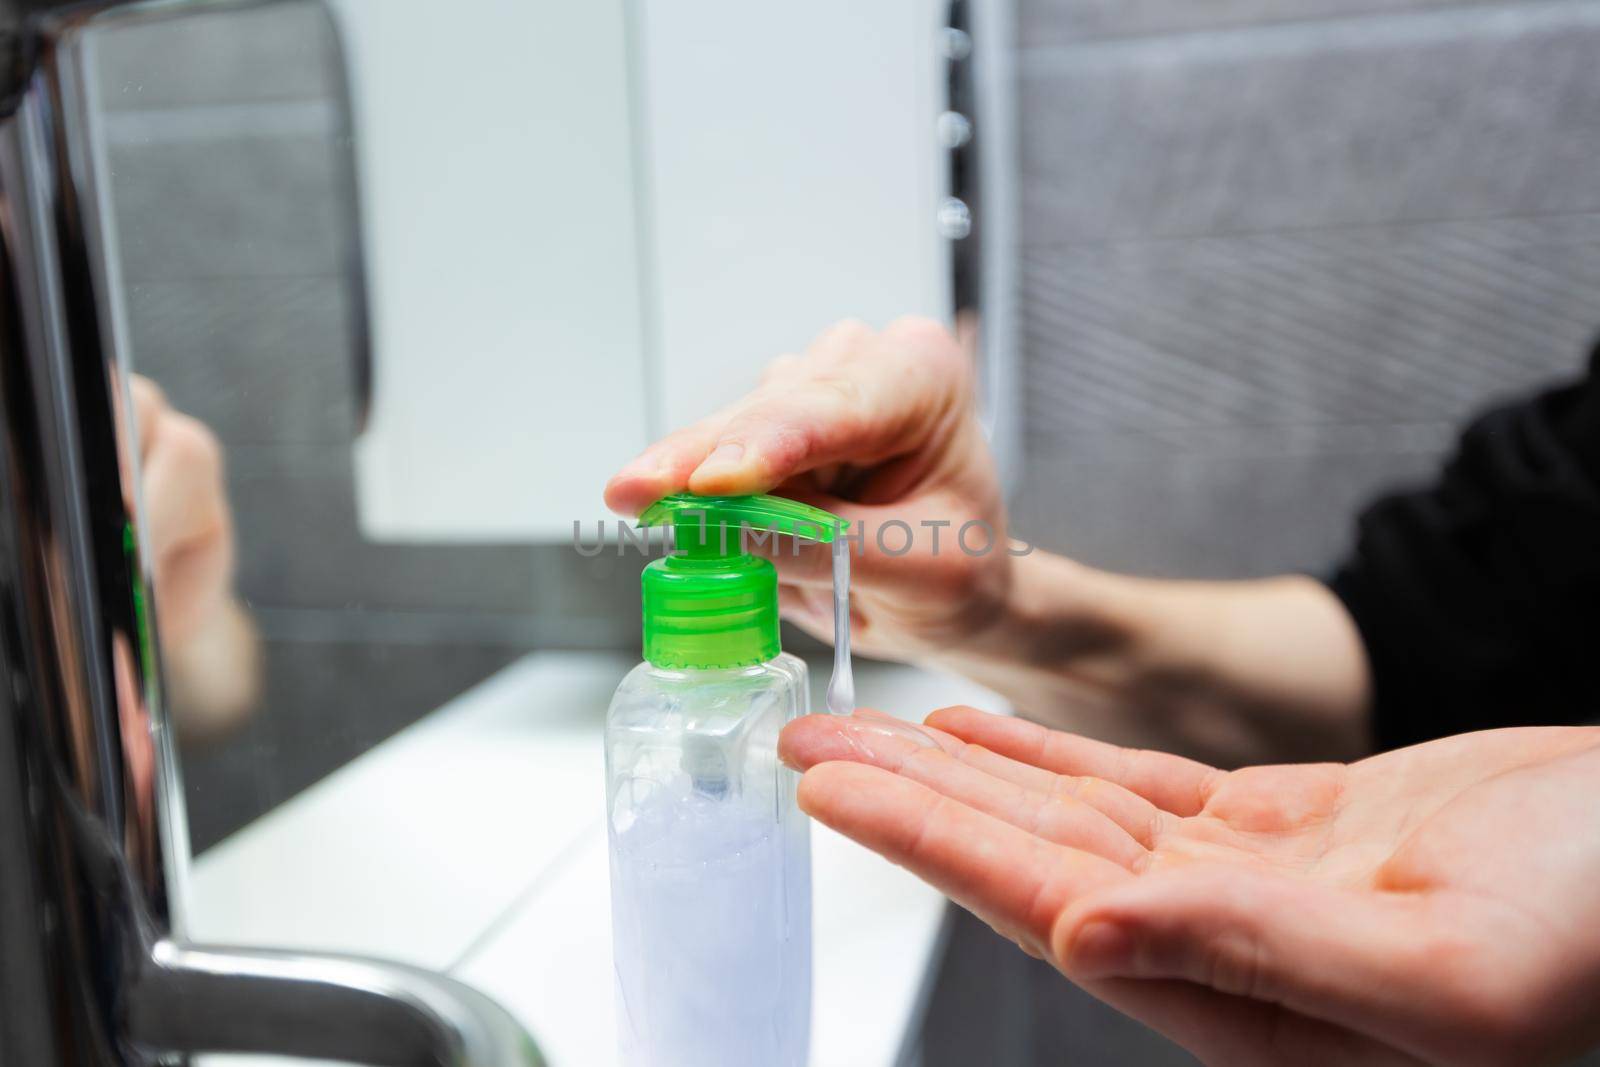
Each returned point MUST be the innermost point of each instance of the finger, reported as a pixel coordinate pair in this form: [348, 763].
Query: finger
[911, 753]
[666, 465]
[1353, 957]
[812, 603]
[861, 399]
[1231, 1031]
[1173, 783]
[835, 344]
[1014, 881]
[1136, 816]
[814, 628]
[662, 468]
[884, 716]
[818, 623]
[803, 598]
[183, 490]
[149, 403]
[809, 607]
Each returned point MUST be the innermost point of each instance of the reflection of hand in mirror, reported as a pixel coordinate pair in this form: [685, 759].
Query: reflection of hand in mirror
[208, 642]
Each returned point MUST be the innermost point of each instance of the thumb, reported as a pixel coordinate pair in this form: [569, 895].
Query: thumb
[1346, 955]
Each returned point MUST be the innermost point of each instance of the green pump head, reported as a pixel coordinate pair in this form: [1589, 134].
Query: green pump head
[711, 604]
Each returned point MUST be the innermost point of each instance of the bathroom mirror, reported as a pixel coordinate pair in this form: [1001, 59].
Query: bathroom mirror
[396, 286]
[316, 678]
[226, 146]
[425, 281]
[292, 643]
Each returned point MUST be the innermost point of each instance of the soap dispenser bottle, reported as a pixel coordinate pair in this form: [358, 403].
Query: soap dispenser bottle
[710, 857]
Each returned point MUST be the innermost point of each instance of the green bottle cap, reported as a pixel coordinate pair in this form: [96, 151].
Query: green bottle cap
[711, 604]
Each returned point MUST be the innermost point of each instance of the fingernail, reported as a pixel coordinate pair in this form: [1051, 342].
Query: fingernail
[1102, 949]
[725, 455]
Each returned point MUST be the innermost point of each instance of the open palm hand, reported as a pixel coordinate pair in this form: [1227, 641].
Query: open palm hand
[1438, 904]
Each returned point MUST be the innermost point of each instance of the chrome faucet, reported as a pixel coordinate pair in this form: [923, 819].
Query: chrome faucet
[95, 968]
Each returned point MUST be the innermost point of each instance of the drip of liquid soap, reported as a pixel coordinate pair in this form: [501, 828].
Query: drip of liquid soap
[842, 686]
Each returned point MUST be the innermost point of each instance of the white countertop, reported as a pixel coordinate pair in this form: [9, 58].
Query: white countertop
[473, 842]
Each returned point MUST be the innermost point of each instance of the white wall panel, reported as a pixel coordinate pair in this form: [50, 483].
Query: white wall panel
[497, 184]
[794, 180]
[599, 221]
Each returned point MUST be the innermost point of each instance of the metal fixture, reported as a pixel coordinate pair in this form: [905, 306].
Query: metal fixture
[95, 968]
[955, 129]
[955, 219]
[954, 41]
[959, 219]
[976, 135]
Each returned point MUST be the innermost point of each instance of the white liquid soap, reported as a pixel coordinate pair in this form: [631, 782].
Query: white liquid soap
[711, 891]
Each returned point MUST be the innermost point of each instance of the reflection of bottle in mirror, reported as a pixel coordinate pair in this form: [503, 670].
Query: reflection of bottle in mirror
[710, 857]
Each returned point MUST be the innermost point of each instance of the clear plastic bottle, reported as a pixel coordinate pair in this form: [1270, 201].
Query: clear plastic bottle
[710, 857]
[710, 868]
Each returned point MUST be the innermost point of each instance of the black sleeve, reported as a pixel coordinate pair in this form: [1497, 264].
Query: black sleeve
[1478, 598]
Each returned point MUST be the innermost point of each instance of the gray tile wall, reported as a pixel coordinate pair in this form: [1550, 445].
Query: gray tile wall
[1045, 23]
[1276, 252]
